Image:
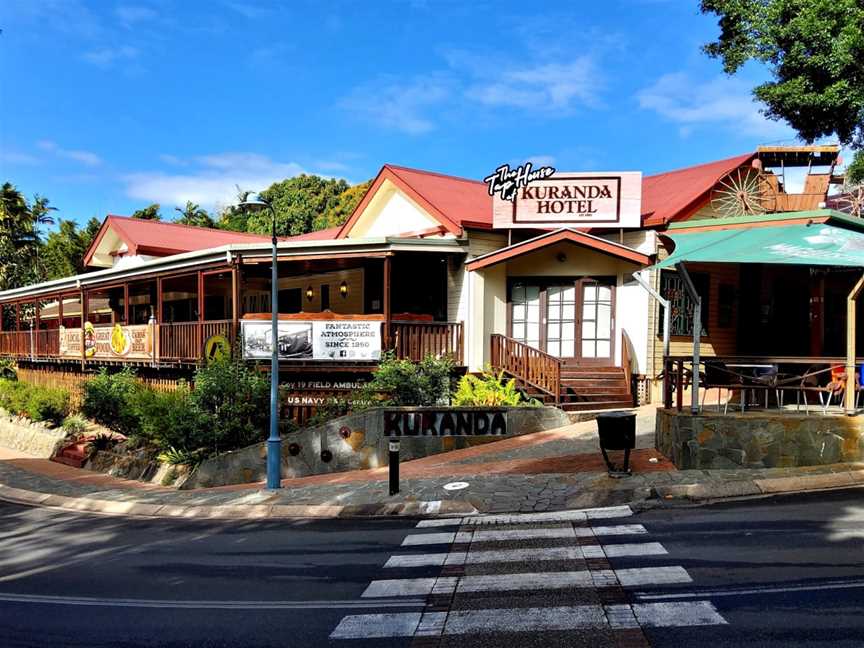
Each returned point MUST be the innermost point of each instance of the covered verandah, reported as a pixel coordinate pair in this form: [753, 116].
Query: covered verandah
[770, 308]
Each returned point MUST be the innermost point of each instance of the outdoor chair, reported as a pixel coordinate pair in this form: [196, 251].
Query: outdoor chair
[719, 377]
[767, 379]
[836, 386]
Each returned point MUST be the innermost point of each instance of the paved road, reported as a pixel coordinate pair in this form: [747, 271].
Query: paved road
[783, 572]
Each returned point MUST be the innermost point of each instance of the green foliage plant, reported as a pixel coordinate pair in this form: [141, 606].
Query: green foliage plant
[47, 404]
[407, 383]
[74, 425]
[111, 400]
[487, 390]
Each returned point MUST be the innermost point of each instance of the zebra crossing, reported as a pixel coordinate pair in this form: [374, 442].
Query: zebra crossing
[515, 561]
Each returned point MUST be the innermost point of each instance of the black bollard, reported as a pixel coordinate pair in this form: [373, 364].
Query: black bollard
[394, 466]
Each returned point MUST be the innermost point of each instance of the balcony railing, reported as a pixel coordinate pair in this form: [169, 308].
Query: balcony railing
[183, 342]
[416, 340]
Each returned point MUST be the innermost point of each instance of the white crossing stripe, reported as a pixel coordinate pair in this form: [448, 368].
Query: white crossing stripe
[372, 626]
[405, 587]
[417, 560]
[681, 614]
[621, 529]
[652, 576]
[497, 535]
[490, 556]
[462, 622]
[439, 522]
[635, 549]
[525, 581]
[608, 512]
[428, 538]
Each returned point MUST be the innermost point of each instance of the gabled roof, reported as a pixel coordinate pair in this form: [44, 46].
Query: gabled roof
[456, 203]
[319, 235]
[156, 238]
[576, 237]
[672, 195]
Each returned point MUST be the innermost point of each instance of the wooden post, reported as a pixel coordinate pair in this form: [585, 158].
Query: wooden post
[126, 303]
[697, 332]
[851, 383]
[200, 315]
[386, 301]
[159, 300]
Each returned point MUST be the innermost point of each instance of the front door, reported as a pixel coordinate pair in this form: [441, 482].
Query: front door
[567, 318]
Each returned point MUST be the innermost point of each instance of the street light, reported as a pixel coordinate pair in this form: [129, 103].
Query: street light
[255, 202]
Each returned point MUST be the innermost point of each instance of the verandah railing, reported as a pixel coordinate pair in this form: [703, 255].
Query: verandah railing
[527, 364]
[416, 340]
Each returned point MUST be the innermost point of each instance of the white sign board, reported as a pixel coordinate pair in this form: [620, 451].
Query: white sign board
[314, 340]
[601, 199]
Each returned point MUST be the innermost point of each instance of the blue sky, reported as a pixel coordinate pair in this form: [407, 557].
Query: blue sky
[108, 106]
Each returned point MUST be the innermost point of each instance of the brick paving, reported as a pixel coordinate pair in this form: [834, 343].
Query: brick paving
[546, 471]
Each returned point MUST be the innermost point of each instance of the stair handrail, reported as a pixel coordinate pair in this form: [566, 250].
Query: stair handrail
[626, 361]
[513, 358]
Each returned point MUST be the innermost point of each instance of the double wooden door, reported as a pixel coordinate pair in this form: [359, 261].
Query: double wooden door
[566, 318]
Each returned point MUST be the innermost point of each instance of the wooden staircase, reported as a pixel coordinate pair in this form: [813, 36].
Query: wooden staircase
[559, 382]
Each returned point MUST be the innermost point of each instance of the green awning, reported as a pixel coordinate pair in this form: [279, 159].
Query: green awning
[798, 244]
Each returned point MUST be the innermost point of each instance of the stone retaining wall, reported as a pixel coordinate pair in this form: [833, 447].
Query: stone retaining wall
[31, 437]
[358, 441]
[757, 440]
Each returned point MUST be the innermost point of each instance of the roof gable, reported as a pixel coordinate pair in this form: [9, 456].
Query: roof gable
[121, 235]
[672, 195]
[453, 203]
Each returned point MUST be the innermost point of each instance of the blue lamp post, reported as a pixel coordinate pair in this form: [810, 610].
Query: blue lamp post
[254, 202]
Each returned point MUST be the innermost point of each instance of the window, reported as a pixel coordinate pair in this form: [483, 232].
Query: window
[325, 297]
[681, 318]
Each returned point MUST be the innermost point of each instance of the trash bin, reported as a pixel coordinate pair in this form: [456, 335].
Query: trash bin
[617, 431]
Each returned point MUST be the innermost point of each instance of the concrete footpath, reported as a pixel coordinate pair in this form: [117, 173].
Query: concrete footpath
[547, 471]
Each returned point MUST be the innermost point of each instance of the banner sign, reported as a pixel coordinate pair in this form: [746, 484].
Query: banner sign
[573, 199]
[108, 342]
[448, 422]
[318, 340]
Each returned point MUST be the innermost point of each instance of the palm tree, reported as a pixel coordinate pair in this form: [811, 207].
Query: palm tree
[193, 214]
[20, 236]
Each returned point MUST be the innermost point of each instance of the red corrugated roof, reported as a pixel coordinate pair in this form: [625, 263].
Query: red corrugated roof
[321, 235]
[462, 200]
[454, 202]
[668, 196]
[161, 239]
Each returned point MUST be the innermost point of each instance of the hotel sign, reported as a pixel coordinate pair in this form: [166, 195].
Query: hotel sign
[572, 199]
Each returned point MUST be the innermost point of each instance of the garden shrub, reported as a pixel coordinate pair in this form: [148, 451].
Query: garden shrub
[172, 420]
[236, 398]
[489, 390]
[47, 404]
[14, 396]
[74, 425]
[110, 399]
[408, 383]
[7, 369]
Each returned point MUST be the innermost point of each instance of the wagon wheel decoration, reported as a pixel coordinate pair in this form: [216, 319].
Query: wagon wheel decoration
[851, 200]
[745, 192]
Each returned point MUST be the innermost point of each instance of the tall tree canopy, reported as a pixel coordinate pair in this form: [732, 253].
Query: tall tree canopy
[64, 250]
[297, 202]
[345, 203]
[194, 214]
[815, 52]
[20, 237]
[150, 212]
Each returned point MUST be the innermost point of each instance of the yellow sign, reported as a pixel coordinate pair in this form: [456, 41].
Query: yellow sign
[217, 347]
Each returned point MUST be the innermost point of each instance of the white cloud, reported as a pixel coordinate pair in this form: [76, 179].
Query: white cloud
[556, 87]
[541, 160]
[87, 158]
[13, 157]
[212, 180]
[107, 56]
[401, 106]
[723, 101]
[131, 14]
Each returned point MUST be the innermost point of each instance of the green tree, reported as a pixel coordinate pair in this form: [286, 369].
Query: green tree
[232, 217]
[814, 50]
[193, 214]
[342, 209]
[297, 202]
[855, 169]
[150, 212]
[20, 237]
[64, 250]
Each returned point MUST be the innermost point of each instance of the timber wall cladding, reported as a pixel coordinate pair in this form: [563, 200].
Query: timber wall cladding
[722, 323]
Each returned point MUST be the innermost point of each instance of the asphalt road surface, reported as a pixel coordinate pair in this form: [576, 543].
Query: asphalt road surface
[778, 572]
